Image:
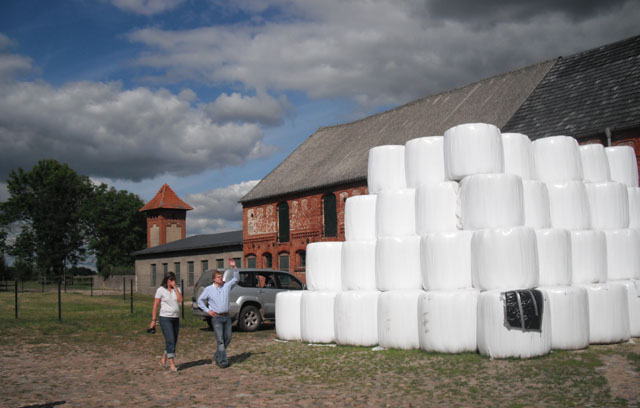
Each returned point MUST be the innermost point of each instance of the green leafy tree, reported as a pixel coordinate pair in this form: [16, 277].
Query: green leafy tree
[117, 229]
[48, 204]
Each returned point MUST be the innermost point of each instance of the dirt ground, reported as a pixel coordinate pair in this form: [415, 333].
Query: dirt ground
[91, 375]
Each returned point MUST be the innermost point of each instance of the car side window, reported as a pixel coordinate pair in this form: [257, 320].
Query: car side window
[269, 281]
[246, 280]
[287, 282]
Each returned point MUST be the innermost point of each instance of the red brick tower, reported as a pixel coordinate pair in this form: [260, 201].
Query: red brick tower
[166, 217]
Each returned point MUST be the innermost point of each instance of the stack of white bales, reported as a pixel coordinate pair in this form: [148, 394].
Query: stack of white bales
[397, 253]
[568, 305]
[504, 260]
[623, 241]
[559, 164]
[447, 310]
[356, 306]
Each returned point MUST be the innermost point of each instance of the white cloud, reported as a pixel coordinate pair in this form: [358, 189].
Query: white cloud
[12, 64]
[374, 51]
[147, 7]
[262, 108]
[101, 130]
[217, 210]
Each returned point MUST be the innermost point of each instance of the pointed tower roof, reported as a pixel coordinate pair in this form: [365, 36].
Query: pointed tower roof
[166, 198]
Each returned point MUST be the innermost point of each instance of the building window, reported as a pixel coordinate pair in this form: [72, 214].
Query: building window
[330, 215]
[176, 267]
[283, 261]
[267, 261]
[153, 274]
[283, 222]
[251, 261]
[165, 269]
[220, 263]
[205, 266]
[302, 259]
[238, 262]
[190, 272]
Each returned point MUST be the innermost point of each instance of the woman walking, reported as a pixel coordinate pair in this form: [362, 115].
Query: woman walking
[168, 297]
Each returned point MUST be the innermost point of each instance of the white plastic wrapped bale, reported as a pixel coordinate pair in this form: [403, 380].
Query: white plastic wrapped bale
[518, 155]
[536, 204]
[316, 316]
[288, 315]
[588, 257]
[472, 148]
[505, 258]
[324, 261]
[358, 269]
[398, 263]
[623, 165]
[436, 207]
[398, 319]
[445, 260]
[385, 169]
[491, 201]
[501, 336]
[569, 205]
[557, 159]
[360, 218]
[633, 299]
[608, 205]
[424, 161]
[595, 165]
[634, 207]
[554, 256]
[569, 313]
[356, 318]
[396, 213]
[448, 320]
[608, 313]
[623, 254]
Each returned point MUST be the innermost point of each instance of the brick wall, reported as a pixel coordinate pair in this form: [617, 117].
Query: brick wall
[164, 226]
[306, 224]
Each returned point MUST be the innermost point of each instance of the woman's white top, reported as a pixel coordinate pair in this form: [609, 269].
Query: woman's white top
[168, 302]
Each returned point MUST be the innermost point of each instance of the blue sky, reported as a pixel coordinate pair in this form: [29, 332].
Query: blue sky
[210, 95]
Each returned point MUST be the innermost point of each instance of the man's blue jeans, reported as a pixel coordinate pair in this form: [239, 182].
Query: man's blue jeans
[170, 328]
[222, 331]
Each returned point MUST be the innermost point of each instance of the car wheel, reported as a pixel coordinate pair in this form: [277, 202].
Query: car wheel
[249, 319]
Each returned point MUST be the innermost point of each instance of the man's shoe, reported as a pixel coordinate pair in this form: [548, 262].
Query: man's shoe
[223, 365]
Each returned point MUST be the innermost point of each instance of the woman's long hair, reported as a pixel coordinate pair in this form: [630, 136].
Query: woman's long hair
[169, 275]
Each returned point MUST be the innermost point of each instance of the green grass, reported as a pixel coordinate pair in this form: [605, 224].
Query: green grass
[84, 318]
[414, 377]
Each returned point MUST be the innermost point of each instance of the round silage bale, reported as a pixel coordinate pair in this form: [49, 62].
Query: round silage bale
[356, 318]
[288, 315]
[472, 148]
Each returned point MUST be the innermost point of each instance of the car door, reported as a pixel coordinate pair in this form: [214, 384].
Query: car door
[268, 293]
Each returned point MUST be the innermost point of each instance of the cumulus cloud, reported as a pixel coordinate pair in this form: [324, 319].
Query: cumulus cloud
[381, 51]
[262, 108]
[217, 210]
[102, 130]
[146, 7]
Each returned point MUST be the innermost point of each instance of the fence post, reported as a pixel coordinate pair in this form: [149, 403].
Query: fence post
[124, 288]
[182, 290]
[59, 300]
[42, 284]
[22, 284]
[131, 290]
[92, 286]
[16, 298]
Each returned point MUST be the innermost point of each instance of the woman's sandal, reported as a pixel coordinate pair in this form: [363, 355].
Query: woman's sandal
[162, 365]
[173, 369]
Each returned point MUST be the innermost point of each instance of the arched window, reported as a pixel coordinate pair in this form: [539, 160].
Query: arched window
[283, 222]
[283, 261]
[330, 215]
[250, 261]
[267, 260]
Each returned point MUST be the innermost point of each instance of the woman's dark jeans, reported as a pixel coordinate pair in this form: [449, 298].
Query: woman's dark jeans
[170, 327]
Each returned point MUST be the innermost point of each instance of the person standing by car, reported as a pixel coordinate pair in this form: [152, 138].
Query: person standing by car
[168, 297]
[214, 301]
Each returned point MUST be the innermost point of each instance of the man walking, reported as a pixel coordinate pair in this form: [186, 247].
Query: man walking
[214, 300]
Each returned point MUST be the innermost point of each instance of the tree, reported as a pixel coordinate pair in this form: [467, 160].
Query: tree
[48, 204]
[117, 229]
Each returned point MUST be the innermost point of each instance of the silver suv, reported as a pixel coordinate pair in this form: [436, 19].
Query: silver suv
[253, 299]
